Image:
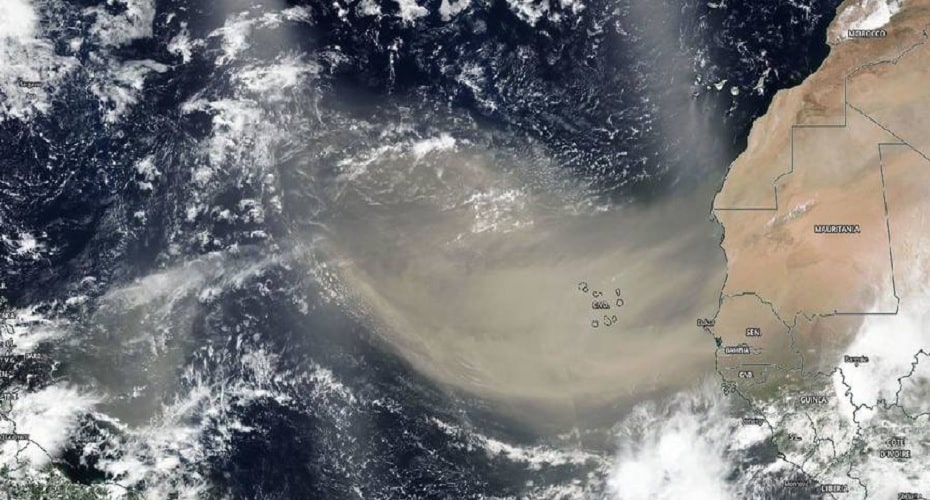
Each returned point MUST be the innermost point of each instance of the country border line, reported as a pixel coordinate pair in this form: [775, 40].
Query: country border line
[791, 155]
[846, 104]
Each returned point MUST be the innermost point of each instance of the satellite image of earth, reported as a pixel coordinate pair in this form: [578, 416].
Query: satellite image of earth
[465, 249]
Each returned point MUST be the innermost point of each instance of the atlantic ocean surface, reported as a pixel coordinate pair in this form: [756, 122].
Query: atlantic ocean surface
[166, 168]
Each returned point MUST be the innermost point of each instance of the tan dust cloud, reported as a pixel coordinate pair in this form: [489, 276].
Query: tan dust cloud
[481, 284]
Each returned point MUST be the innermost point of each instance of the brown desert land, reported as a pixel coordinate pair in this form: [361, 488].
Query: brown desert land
[825, 213]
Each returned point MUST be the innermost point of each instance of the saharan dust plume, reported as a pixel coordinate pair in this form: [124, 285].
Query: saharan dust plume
[524, 293]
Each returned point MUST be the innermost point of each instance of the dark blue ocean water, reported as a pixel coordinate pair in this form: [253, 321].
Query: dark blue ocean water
[621, 94]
